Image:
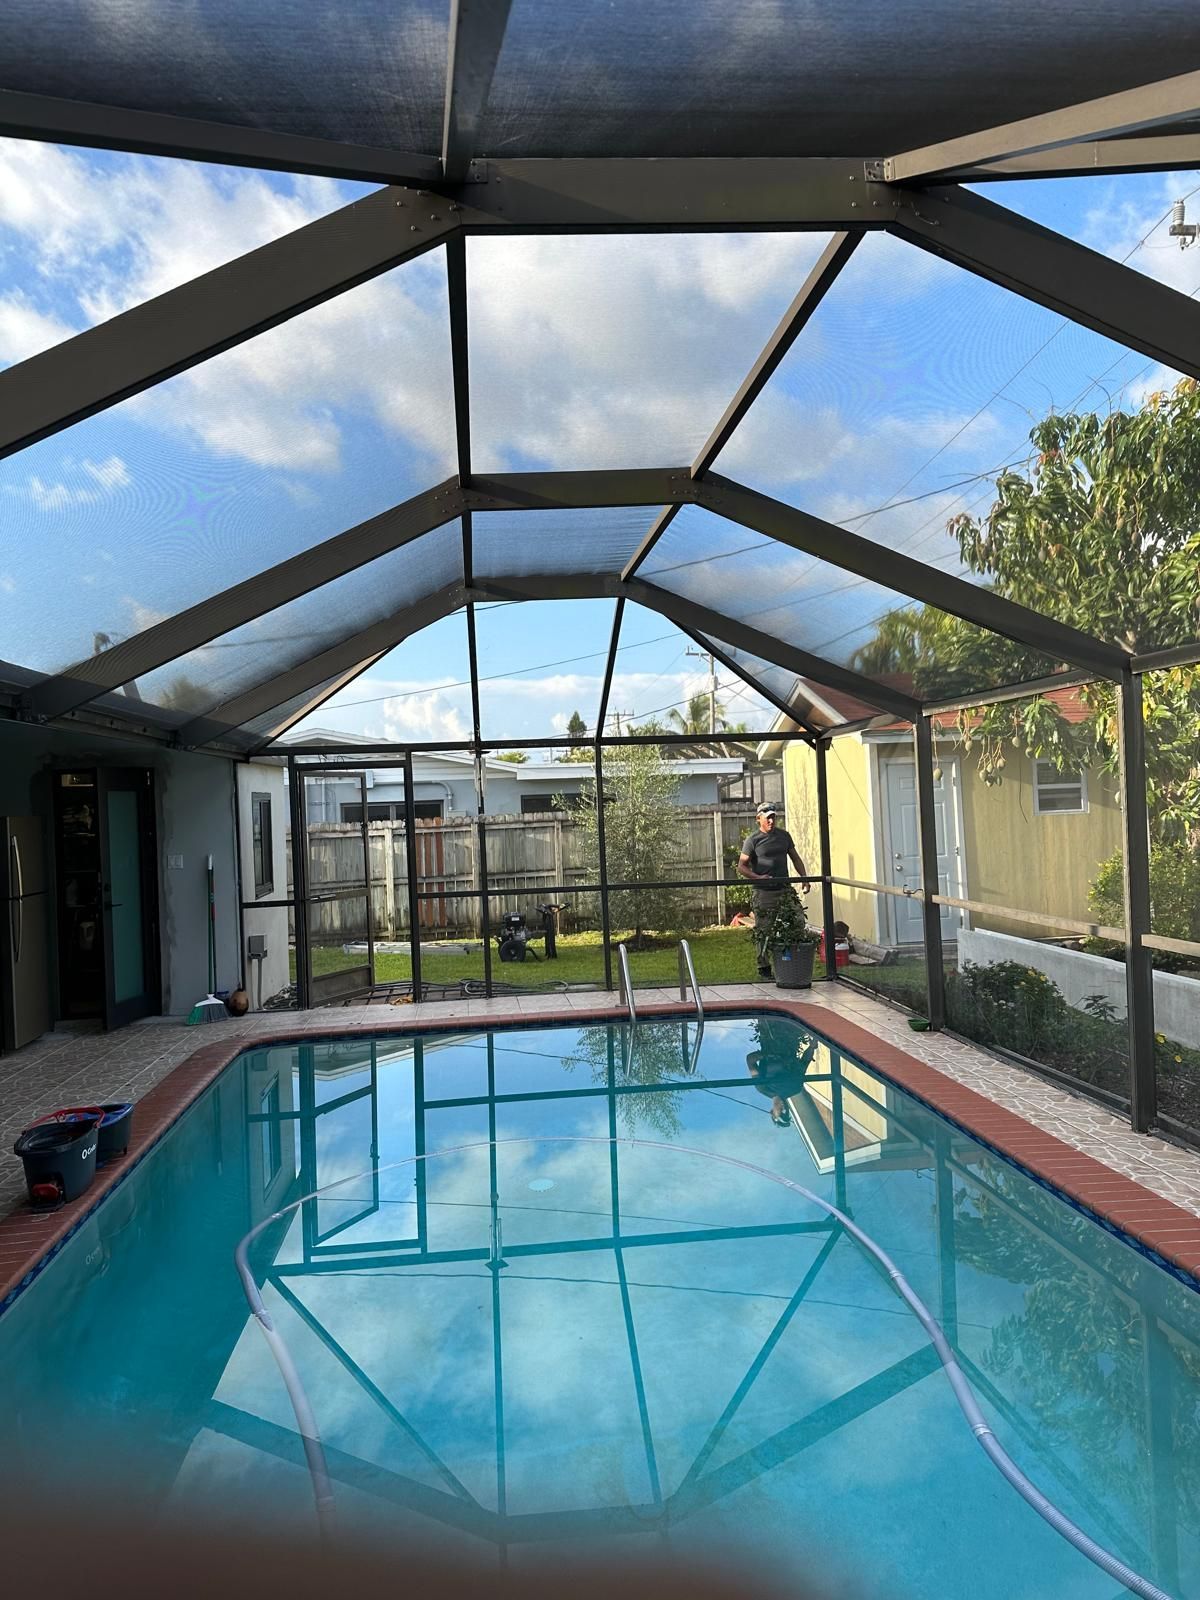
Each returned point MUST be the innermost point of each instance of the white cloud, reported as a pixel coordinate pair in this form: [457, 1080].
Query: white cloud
[104, 478]
[517, 707]
[25, 331]
[122, 232]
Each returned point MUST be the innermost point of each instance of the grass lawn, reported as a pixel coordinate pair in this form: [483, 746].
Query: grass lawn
[721, 955]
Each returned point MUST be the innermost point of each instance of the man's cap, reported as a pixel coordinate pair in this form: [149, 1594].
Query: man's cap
[764, 810]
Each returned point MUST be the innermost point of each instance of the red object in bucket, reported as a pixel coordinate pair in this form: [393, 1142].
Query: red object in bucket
[72, 1114]
[841, 951]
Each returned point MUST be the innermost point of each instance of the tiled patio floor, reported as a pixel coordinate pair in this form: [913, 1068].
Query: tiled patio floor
[84, 1068]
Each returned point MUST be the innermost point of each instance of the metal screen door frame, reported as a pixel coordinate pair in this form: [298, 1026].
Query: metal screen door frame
[345, 981]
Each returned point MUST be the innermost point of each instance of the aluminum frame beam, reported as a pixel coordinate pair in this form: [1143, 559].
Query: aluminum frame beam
[476, 39]
[350, 652]
[1043, 266]
[878, 563]
[300, 574]
[222, 308]
[809, 296]
[1150, 105]
[796, 713]
[49, 119]
[1167, 152]
[184, 326]
[690, 615]
[166, 641]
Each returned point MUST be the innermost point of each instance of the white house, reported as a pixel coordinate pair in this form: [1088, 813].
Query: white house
[444, 784]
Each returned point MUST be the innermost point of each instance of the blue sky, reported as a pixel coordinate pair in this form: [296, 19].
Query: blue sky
[910, 385]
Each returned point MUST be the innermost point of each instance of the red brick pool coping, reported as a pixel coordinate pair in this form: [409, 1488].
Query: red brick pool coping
[28, 1240]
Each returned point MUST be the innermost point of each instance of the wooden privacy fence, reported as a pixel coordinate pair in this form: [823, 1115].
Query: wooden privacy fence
[527, 857]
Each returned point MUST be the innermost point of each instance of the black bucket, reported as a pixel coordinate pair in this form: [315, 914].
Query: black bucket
[60, 1160]
[115, 1130]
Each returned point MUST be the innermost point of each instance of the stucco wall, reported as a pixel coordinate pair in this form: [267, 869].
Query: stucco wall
[194, 796]
[270, 921]
[1032, 863]
[851, 823]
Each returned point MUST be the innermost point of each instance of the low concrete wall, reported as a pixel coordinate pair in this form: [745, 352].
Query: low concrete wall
[1078, 975]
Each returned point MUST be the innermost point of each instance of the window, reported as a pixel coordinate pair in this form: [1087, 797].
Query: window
[264, 844]
[390, 811]
[535, 803]
[1057, 791]
[272, 1137]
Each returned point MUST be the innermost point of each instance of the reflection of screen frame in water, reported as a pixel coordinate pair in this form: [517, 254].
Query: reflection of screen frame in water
[963, 1393]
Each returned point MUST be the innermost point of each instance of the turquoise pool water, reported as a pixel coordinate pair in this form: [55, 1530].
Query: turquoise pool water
[546, 1349]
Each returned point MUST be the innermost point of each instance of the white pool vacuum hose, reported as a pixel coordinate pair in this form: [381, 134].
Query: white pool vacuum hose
[957, 1378]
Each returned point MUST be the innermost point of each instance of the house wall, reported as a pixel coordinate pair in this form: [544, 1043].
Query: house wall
[851, 823]
[1010, 856]
[1032, 863]
[454, 786]
[270, 921]
[194, 796]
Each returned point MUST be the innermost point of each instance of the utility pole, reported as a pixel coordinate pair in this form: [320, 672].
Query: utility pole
[616, 716]
[706, 655]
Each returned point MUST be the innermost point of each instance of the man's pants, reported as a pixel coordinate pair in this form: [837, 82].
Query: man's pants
[766, 903]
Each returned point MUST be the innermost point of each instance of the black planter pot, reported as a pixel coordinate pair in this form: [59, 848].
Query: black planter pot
[793, 967]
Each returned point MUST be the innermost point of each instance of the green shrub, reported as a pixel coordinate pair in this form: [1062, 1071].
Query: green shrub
[788, 926]
[1174, 898]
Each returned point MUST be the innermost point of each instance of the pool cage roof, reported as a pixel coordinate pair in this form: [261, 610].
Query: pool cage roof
[489, 125]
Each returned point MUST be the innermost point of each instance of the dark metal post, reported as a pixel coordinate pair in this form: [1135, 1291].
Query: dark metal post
[827, 916]
[456, 290]
[931, 913]
[1139, 974]
[410, 861]
[485, 910]
[601, 719]
[605, 923]
[299, 881]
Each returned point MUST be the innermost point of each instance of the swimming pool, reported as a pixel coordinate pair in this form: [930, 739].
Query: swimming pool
[543, 1347]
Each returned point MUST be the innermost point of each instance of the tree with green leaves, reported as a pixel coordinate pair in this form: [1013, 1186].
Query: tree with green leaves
[641, 832]
[1101, 530]
[518, 758]
[577, 729]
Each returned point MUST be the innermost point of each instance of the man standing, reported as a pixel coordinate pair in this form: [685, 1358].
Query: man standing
[764, 861]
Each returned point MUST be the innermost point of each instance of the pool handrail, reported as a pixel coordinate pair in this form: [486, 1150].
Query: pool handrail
[687, 979]
[625, 984]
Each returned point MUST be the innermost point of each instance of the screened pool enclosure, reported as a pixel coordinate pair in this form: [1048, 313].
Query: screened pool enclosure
[540, 248]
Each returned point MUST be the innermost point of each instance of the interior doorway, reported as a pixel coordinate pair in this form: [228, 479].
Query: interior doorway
[106, 883]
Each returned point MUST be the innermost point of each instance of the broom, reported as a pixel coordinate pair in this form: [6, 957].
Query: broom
[210, 1009]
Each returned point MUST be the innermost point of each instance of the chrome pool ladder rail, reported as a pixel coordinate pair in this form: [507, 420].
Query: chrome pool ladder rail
[625, 984]
[687, 979]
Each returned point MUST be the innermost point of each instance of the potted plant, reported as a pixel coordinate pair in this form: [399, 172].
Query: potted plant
[792, 944]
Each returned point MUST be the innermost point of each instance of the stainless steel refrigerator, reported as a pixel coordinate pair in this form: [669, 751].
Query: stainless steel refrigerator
[24, 971]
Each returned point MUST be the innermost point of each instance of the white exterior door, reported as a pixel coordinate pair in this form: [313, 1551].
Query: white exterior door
[902, 864]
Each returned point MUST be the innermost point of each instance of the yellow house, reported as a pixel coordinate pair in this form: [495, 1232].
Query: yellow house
[1032, 843]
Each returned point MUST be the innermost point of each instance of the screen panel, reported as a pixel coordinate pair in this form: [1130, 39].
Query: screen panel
[219, 473]
[940, 416]
[367, 72]
[618, 350]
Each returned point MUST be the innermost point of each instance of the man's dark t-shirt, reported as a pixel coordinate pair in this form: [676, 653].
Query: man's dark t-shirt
[768, 852]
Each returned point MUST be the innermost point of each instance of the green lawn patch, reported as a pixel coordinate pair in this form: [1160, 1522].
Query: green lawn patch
[721, 955]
